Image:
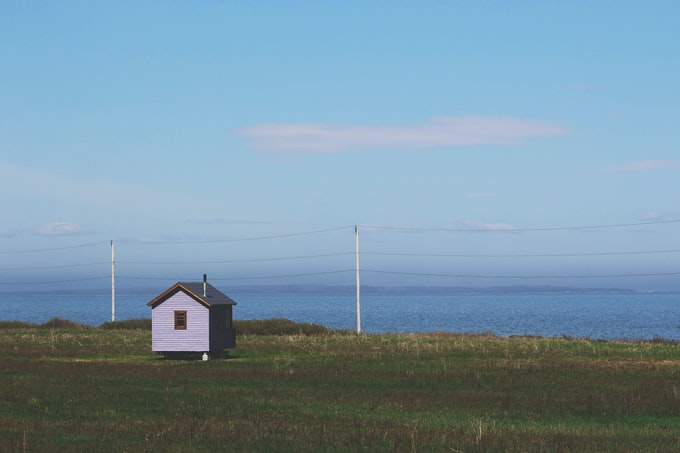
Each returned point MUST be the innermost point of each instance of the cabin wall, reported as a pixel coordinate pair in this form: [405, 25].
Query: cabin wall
[231, 330]
[164, 337]
[222, 333]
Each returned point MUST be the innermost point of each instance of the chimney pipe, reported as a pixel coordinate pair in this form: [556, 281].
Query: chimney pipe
[205, 284]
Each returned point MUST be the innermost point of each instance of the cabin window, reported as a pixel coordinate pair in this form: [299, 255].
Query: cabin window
[180, 320]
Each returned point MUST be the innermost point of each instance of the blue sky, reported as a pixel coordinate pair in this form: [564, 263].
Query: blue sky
[184, 122]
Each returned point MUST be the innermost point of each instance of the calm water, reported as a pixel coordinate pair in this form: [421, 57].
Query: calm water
[598, 316]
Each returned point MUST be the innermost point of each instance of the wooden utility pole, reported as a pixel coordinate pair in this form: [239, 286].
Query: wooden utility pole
[356, 235]
[113, 282]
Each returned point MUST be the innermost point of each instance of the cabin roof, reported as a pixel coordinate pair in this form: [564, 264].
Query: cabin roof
[213, 296]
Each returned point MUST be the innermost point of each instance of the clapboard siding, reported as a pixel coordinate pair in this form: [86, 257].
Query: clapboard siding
[195, 338]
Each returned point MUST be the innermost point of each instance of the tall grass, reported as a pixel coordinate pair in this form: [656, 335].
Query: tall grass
[54, 323]
[65, 389]
[129, 324]
[279, 326]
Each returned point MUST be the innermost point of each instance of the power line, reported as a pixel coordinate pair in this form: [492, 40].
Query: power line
[72, 280]
[211, 241]
[326, 255]
[528, 277]
[256, 238]
[310, 274]
[89, 244]
[246, 260]
[511, 230]
[518, 255]
[312, 256]
[384, 227]
[156, 263]
[59, 266]
[260, 277]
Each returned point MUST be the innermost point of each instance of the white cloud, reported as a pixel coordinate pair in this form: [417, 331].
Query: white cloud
[468, 225]
[6, 233]
[316, 138]
[645, 165]
[489, 226]
[651, 217]
[58, 229]
[225, 221]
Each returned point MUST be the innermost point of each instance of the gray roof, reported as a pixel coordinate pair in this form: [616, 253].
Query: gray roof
[213, 296]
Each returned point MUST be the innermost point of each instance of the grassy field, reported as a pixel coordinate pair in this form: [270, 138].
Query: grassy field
[289, 387]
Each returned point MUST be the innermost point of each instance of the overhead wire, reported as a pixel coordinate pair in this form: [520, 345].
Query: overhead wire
[518, 255]
[520, 277]
[513, 229]
[54, 266]
[69, 280]
[313, 256]
[245, 260]
[306, 274]
[255, 238]
[89, 244]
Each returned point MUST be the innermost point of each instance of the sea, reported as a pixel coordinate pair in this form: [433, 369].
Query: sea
[546, 312]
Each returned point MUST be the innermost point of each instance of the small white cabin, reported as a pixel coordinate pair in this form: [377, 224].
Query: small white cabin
[190, 318]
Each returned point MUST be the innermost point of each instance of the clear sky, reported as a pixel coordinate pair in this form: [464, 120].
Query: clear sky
[225, 121]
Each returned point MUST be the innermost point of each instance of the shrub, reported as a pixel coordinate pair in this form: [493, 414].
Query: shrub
[278, 326]
[661, 340]
[61, 323]
[128, 324]
[17, 325]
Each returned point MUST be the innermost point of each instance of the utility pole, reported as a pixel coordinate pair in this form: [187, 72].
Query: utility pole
[113, 282]
[356, 236]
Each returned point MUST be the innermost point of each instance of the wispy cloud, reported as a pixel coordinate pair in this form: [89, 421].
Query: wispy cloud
[7, 233]
[473, 225]
[466, 225]
[226, 221]
[58, 229]
[645, 165]
[651, 217]
[317, 138]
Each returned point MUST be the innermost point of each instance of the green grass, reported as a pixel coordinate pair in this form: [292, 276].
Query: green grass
[300, 388]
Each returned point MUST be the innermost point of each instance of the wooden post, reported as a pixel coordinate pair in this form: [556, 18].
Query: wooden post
[356, 235]
[113, 283]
